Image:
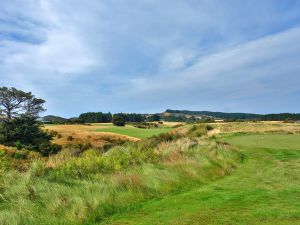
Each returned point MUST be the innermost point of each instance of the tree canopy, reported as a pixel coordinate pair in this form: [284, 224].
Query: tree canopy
[118, 120]
[96, 117]
[20, 128]
[25, 132]
[14, 102]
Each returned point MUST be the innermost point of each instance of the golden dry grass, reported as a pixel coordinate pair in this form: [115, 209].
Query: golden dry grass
[173, 123]
[84, 134]
[258, 127]
[6, 149]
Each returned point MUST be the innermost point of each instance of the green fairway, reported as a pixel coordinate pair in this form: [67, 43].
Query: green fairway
[264, 190]
[135, 132]
[273, 141]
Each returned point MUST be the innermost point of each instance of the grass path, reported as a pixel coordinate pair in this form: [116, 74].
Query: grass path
[265, 190]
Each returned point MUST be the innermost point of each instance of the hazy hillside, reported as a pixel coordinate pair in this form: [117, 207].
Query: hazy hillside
[220, 115]
[234, 116]
[54, 119]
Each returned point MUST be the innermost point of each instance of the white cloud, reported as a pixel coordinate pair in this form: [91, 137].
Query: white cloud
[257, 68]
[177, 59]
[60, 53]
[135, 55]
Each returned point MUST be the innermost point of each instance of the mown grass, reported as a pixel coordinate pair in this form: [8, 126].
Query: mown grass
[135, 132]
[264, 190]
[87, 187]
[271, 141]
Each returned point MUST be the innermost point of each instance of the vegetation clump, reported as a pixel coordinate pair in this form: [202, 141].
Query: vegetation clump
[118, 121]
[25, 133]
[145, 125]
[20, 128]
[86, 185]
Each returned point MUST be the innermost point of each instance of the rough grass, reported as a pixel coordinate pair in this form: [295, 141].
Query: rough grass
[265, 190]
[86, 134]
[91, 186]
[101, 134]
[259, 127]
[170, 179]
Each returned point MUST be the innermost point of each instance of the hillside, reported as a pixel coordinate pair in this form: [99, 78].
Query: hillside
[221, 115]
[234, 116]
[54, 119]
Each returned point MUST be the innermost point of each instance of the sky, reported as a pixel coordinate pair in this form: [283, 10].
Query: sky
[147, 56]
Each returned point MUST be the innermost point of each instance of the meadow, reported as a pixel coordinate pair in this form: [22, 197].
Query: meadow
[226, 173]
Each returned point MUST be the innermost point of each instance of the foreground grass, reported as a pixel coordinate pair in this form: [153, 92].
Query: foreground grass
[87, 187]
[135, 132]
[265, 190]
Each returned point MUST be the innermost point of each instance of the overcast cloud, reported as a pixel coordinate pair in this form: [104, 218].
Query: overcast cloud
[150, 55]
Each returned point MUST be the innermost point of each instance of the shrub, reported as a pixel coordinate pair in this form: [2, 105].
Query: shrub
[198, 130]
[18, 145]
[145, 125]
[20, 154]
[2, 153]
[48, 149]
[70, 138]
[118, 121]
[25, 132]
[209, 127]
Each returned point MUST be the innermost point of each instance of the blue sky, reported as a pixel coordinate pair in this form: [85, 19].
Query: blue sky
[150, 55]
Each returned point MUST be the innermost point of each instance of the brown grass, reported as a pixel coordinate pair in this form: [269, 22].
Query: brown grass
[85, 134]
[257, 127]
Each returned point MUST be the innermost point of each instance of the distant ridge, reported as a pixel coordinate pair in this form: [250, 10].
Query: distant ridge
[221, 115]
[54, 119]
[237, 116]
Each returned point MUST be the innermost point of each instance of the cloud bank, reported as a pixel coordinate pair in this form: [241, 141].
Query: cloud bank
[146, 56]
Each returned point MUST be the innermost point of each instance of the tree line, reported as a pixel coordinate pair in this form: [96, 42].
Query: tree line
[281, 117]
[179, 115]
[99, 117]
[96, 117]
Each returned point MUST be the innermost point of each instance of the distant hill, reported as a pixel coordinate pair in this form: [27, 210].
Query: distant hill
[233, 116]
[54, 119]
[219, 115]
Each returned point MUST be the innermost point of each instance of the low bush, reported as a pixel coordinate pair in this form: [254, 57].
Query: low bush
[70, 138]
[20, 154]
[118, 121]
[145, 125]
[199, 130]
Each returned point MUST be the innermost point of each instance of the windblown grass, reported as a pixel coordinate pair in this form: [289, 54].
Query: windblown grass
[264, 190]
[87, 135]
[89, 186]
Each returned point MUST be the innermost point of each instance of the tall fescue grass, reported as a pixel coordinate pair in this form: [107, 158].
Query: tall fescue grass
[86, 187]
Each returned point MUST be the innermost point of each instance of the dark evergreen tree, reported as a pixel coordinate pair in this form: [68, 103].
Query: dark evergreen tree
[118, 120]
[26, 132]
[14, 102]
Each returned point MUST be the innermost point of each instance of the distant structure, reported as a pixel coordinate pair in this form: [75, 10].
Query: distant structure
[42, 120]
[219, 120]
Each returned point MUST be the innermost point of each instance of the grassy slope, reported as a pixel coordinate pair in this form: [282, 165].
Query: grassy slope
[265, 190]
[87, 188]
[134, 132]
